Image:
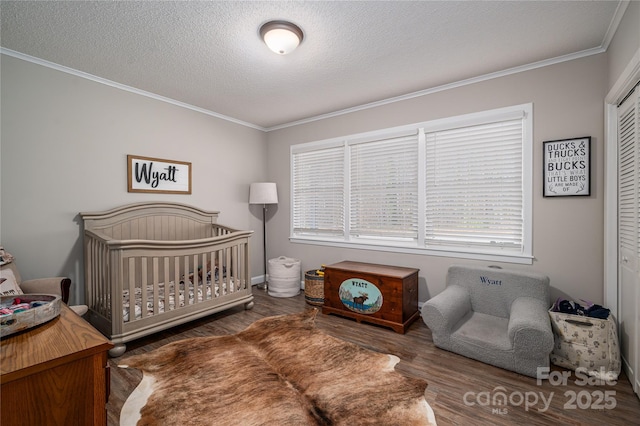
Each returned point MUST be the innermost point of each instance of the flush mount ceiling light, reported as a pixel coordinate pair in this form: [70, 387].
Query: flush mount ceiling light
[281, 36]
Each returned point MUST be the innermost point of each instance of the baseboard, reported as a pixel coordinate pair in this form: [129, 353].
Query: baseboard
[257, 280]
[260, 279]
[628, 371]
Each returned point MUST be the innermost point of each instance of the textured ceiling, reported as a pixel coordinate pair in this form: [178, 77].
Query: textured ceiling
[208, 54]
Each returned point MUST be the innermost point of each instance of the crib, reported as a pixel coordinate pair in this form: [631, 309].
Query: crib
[151, 266]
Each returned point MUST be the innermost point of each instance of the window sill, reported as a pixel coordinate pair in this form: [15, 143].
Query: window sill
[460, 254]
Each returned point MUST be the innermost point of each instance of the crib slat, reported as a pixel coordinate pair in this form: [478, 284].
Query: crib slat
[132, 289]
[245, 277]
[224, 277]
[114, 268]
[105, 280]
[101, 283]
[237, 271]
[98, 284]
[91, 271]
[144, 281]
[234, 265]
[167, 284]
[176, 282]
[156, 285]
[206, 266]
[220, 280]
[229, 266]
[194, 281]
[206, 275]
[185, 285]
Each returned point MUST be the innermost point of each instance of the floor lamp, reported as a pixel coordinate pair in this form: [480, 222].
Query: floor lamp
[264, 193]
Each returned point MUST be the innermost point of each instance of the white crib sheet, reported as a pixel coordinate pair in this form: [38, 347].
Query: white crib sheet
[169, 293]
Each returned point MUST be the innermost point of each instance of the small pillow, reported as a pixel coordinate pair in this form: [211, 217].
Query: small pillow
[8, 283]
[5, 256]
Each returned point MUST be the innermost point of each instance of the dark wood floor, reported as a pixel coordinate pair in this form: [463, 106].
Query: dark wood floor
[461, 391]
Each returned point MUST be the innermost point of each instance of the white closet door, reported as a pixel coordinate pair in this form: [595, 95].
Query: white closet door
[629, 235]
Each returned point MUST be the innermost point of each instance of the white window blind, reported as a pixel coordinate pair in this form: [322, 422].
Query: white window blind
[458, 186]
[384, 188]
[318, 192]
[474, 193]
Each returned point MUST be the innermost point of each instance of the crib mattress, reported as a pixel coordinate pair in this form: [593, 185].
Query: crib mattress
[168, 295]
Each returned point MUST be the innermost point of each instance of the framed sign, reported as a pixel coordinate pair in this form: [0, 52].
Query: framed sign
[567, 165]
[145, 174]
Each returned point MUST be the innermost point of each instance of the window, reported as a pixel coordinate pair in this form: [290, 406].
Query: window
[318, 199]
[456, 187]
[384, 189]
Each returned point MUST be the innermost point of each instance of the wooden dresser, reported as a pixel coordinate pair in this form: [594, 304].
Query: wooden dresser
[55, 374]
[378, 294]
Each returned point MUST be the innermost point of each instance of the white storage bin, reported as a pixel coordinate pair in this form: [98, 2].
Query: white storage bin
[284, 277]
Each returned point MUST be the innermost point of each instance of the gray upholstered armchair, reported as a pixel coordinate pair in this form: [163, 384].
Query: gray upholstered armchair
[493, 315]
[58, 286]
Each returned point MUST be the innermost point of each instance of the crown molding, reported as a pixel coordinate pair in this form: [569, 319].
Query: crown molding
[388, 101]
[615, 22]
[81, 74]
[449, 86]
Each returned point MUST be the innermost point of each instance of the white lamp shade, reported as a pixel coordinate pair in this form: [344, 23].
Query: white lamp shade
[281, 41]
[263, 193]
[281, 36]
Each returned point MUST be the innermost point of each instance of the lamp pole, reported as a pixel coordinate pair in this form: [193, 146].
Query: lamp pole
[265, 284]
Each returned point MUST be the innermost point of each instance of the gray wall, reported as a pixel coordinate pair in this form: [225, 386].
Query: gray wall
[625, 42]
[64, 141]
[64, 145]
[567, 231]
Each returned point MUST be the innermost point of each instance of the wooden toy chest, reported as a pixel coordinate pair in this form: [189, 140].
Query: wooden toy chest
[378, 294]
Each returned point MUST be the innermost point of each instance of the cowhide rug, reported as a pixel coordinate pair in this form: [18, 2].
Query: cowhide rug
[279, 371]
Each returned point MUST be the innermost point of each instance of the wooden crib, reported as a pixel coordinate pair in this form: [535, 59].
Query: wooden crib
[151, 266]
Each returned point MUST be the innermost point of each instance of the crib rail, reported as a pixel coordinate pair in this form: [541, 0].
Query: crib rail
[161, 221]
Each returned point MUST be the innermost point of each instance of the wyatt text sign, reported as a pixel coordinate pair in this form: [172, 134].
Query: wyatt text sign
[145, 174]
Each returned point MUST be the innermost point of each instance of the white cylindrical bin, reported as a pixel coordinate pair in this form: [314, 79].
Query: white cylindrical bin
[284, 277]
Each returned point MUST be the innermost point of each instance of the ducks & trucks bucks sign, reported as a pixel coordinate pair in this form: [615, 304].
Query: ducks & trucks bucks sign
[567, 164]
